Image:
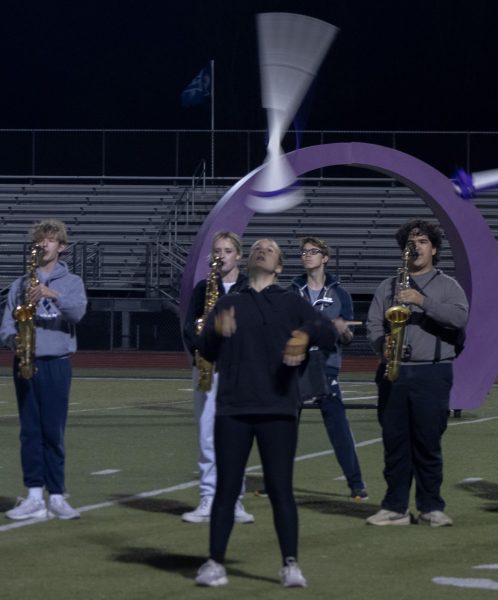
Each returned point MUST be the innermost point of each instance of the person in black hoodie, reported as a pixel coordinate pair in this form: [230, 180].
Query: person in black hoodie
[258, 337]
[226, 246]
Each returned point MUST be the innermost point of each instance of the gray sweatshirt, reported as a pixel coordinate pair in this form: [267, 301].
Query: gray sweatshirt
[55, 319]
[445, 309]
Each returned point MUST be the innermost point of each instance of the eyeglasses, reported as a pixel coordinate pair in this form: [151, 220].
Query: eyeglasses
[312, 251]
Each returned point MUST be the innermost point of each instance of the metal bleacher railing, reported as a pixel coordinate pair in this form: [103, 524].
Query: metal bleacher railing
[174, 154]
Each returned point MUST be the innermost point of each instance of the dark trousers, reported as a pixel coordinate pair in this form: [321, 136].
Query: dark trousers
[276, 436]
[42, 402]
[339, 432]
[413, 414]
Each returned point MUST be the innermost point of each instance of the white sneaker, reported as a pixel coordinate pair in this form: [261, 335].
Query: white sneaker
[59, 507]
[389, 517]
[291, 575]
[241, 516]
[202, 514]
[27, 508]
[435, 518]
[211, 574]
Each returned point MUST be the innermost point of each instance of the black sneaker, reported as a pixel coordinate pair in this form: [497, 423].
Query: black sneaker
[359, 495]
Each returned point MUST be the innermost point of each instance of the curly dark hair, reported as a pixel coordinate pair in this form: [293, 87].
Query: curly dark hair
[421, 227]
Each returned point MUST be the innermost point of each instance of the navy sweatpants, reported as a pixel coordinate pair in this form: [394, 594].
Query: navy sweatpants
[42, 402]
[339, 432]
[413, 414]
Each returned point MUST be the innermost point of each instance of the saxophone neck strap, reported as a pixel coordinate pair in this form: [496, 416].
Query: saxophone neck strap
[419, 289]
[415, 286]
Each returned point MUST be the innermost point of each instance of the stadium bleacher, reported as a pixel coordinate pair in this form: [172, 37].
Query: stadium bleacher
[134, 239]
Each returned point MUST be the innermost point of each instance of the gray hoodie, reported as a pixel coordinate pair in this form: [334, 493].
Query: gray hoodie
[55, 319]
[445, 309]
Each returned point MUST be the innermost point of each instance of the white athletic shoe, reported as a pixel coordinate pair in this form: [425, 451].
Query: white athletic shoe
[291, 575]
[202, 514]
[211, 574]
[59, 507]
[435, 518]
[27, 508]
[241, 516]
[389, 517]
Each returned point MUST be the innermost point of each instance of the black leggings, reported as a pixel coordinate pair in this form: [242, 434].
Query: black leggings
[276, 436]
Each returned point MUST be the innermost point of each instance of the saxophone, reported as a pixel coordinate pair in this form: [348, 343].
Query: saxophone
[25, 315]
[212, 294]
[398, 316]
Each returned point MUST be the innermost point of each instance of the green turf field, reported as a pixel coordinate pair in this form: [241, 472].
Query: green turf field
[131, 448]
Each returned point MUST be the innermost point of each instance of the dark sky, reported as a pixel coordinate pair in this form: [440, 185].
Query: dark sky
[397, 64]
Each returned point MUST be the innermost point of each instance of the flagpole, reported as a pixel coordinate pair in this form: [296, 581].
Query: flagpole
[212, 118]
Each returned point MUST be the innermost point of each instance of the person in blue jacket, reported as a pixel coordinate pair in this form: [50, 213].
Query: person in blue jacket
[324, 292]
[258, 337]
[43, 398]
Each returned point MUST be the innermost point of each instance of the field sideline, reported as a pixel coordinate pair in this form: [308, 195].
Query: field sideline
[131, 471]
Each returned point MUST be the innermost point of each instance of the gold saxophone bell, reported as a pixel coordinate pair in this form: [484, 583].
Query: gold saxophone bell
[398, 315]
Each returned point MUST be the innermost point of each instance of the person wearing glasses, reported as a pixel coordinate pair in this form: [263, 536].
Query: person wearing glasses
[323, 291]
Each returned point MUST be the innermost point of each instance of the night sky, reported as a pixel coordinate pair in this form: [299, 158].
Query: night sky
[397, 64]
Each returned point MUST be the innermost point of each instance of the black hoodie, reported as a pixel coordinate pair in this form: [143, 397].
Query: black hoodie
[252, 377]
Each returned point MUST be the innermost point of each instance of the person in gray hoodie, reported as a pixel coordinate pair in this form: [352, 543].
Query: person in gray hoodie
[413, 406]
[43, 395]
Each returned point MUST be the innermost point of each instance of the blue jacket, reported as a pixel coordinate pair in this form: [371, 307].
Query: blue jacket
[55, 319]
[333, 301]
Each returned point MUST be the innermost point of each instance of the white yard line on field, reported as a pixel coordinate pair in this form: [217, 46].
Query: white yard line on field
[169, 490]
[104, 408]
[194, 483]
[148, 404]
[467, 582]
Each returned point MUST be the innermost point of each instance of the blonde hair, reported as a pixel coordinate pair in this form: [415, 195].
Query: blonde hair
[280, 253]
[228, 235]
[51, 228]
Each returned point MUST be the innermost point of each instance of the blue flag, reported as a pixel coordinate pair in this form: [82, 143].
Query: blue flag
[199, 89]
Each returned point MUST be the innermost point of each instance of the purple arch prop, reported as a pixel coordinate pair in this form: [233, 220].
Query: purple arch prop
[473, 245]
